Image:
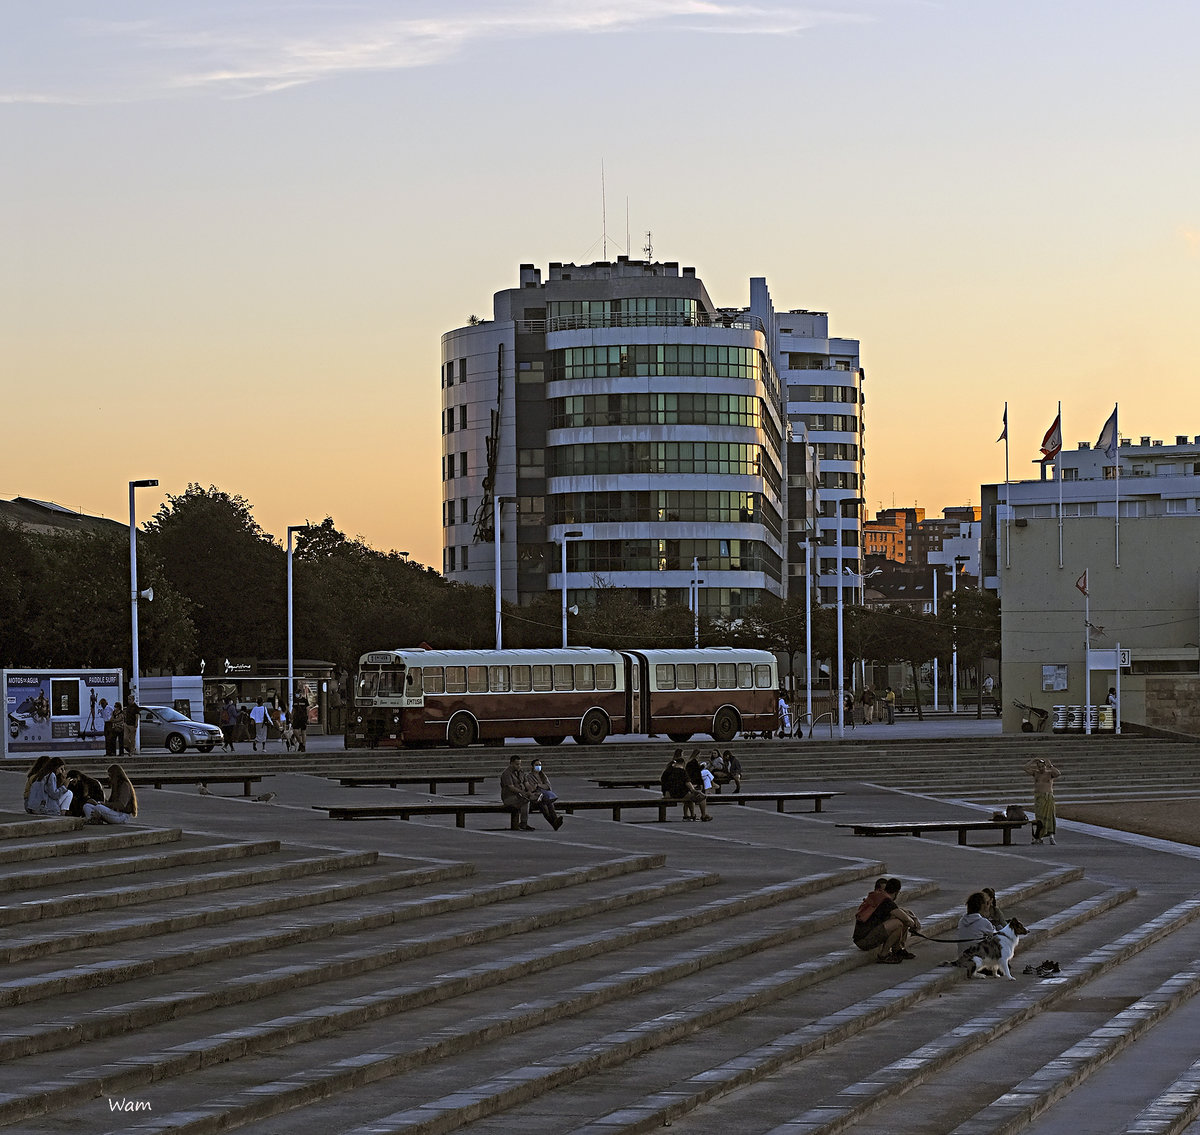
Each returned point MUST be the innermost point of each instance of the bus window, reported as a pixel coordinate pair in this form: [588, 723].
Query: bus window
[477, 679]
[706, 676]
[498, 679]
[564, 676]
[541, 679]
[762, 677]
[685, 675]
[585, 676]
[522, 679]
[745, 676]
[456, 679]
[664, 676]
[726, 676]
[606, 676]
[435, 680]
[413, 681]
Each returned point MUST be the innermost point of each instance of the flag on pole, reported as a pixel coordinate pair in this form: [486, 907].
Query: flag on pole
[1004, 432]
[1081, 582]
[1107, 441]
[1052, 442]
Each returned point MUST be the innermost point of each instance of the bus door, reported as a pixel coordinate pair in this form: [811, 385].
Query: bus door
[633, 687]
[639, 693]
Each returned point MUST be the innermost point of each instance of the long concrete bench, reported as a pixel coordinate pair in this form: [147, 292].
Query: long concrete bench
[432, 779]
[204, 779]
[920, 827]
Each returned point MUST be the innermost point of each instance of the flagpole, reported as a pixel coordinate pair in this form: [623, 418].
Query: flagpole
[1007, 533]
[1087, 660]
[1117, 474]
[1058, 478]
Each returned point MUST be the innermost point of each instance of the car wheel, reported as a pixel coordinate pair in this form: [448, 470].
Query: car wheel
[594, 728]
[205, 748]
[725, 724]
[679, 738]
[176, 744]
[461, 731]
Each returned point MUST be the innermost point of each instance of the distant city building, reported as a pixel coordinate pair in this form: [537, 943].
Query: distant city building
[614, 409]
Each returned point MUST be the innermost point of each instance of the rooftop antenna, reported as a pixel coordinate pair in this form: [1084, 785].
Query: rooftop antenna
[626, 225]
[649, 249]
[603, 214]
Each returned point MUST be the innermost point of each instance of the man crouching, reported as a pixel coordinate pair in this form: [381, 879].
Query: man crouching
[882, 925]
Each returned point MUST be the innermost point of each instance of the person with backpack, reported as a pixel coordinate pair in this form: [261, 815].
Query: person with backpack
[881, 924]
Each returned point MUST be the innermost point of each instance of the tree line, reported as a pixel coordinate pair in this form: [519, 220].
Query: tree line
[220, 590]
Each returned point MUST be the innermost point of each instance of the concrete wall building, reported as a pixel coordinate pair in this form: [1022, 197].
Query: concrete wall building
[613, 408]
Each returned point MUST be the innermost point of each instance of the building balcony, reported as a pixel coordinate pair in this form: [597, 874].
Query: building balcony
[743, 322]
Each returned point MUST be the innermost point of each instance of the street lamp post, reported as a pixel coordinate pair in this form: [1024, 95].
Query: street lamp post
[694, 594]
[808, 629]
[497, 502]
[573, 534]
[135, 677]
[958, 560]
[935, 661]
[291, 686]
[841, 661]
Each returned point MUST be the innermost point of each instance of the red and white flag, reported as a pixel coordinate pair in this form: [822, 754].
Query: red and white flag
[1081, 583]
[1052, 442]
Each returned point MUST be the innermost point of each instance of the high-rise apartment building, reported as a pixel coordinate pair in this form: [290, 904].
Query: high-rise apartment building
[618, 422]
[823, 384]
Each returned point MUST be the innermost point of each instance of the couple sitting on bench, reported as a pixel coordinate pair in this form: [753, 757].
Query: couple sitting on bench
[519, 789]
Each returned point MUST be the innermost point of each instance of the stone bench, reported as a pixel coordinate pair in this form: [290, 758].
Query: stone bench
[920, 827]
[432, 779]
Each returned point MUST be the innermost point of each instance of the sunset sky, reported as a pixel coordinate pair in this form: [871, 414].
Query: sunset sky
[232, 234]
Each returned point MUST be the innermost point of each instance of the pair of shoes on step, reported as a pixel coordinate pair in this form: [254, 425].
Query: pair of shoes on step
[1045, 969]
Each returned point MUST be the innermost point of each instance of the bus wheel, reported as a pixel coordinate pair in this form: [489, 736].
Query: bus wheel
[679, 738]
[725, 724]
[548, 740]
[461, 730]
[593, 730]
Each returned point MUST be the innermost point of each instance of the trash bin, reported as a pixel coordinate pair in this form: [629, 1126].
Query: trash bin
[1074, 719]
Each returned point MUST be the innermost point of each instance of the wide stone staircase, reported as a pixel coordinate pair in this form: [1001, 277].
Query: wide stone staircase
[638, 975]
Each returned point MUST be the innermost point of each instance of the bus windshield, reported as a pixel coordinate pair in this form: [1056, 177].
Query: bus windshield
[381, 683]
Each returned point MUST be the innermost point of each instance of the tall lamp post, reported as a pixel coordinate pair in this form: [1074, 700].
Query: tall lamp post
[841, 660]
[291, 686]
[694, 599]
[958, 562]
[135, 677]
[573, 534]
[935, 661]
[497, 503]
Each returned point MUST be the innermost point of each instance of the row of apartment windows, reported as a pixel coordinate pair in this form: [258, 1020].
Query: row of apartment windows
[583, 410]
[448, 372]
[670, 555]
[821, 393]
[833, 423]
[696, 360]
[627, 457]
[450, 461]
[455, 559]
[836, 451]
[730, 602]
[454, 512]
[694, 507]
[448, 419]
[634, 305]
[1171, 506]
[804, 360]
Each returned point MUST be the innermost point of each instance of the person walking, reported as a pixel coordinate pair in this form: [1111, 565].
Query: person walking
[1044, 775]
[117, 725]
[133, 713]
[299, 720]
[785, 716]
[868, 705]
[258, 715]
[889, 699]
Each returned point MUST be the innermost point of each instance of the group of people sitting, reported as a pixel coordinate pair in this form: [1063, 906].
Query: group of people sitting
[882, 925]
[53, 790]
[692, 781]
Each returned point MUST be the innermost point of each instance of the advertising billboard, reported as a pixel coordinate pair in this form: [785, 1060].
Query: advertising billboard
[57, 711]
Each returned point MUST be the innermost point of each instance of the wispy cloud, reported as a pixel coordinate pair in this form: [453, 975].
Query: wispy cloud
[241, 50]
[1191, 239]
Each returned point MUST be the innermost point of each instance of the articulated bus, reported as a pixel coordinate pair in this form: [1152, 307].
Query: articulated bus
[414, 697]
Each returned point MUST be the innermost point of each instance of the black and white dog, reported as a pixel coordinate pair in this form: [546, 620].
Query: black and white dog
[993, 952]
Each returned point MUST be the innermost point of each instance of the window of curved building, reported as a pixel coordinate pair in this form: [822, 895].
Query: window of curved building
[600, 556]
[643, 409]
[695, 360]
[708, 457]
[665, 507]
[637, 311]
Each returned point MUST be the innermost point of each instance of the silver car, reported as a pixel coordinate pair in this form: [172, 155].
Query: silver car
[162, 725]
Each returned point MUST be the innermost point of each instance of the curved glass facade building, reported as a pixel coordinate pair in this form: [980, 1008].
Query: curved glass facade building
[613, 408]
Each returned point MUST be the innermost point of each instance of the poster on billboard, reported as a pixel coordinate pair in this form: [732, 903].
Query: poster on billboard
[57, 711]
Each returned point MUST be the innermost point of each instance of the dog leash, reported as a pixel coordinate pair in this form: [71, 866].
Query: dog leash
[949, 941]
